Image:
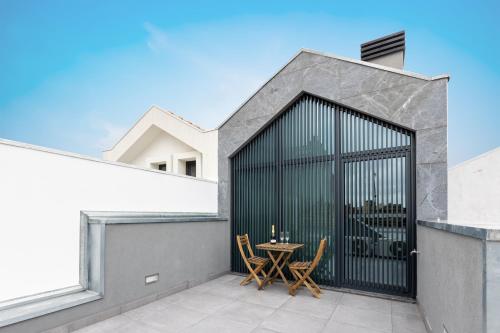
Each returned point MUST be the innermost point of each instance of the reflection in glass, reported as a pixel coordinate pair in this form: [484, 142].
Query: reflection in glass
[375, 239]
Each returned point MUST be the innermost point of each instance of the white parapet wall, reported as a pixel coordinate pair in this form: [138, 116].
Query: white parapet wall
[474, 190]
[42, 192]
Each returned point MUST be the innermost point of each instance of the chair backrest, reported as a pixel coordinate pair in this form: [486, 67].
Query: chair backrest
[244, 241]
[319, 254]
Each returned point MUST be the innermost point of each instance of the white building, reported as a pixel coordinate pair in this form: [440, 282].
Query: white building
[165, 141]
[474, 190]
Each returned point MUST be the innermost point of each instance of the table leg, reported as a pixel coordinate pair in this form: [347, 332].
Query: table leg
[279, 266]
[273, 267]
[280, 269]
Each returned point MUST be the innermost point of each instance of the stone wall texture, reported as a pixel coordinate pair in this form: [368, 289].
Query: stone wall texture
[412, 101]
[450, 281]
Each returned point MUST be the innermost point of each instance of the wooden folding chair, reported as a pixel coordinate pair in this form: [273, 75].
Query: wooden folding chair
[302, 270]
[252, 259]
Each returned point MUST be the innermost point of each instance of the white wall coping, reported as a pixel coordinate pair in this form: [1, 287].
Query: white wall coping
[93, 159]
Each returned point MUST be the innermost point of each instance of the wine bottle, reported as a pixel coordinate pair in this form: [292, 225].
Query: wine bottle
[273, 237]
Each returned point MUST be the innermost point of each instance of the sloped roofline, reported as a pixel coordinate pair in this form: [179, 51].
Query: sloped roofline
[168, 113]
[333, 56]
[475, 158]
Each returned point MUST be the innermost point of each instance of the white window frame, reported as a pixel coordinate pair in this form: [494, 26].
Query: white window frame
[187, 156]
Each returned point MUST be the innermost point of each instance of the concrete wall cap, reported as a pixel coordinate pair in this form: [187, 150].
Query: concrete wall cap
[488, 232]
[149, 217]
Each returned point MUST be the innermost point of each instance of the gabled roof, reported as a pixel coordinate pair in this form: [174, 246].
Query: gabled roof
[350, 60]
[157, 119]
[155, 108]
[187, 122]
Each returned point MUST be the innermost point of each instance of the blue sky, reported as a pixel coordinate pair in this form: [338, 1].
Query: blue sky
[76, 75]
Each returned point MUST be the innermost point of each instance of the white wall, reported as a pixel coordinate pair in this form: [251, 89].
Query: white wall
[159, 149]
[144, 132]
[42, 193]
[474, 190]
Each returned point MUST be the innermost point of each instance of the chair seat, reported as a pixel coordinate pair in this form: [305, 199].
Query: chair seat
[258, 260]
[300, 265]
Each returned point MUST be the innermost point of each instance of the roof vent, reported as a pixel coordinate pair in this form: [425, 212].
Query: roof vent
[387, 51]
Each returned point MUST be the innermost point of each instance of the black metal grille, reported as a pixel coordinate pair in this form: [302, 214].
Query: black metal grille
[377, 180]
[383, 46]
[323, 170]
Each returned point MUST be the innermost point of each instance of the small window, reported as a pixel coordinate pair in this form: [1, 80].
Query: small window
[191, 168]
[162, 167]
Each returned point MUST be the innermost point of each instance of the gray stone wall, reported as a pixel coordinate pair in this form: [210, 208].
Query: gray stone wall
[411, 101]
[184, 254]
[450, 281]
[492, 285]
[459, 276]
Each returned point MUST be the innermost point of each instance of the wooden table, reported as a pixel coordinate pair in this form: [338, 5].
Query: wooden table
[283, 252]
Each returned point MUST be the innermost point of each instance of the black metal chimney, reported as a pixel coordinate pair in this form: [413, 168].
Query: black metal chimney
[387, 51]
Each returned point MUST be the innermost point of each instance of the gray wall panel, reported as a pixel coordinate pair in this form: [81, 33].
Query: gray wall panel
[450, 280]
[185, 254]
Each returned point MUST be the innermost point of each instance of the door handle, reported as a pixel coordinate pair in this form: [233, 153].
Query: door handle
[414, 252]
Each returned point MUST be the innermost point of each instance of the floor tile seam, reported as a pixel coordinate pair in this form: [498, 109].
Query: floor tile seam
[183, 307]
[197, 322]
[324, 325]
[148, 326]
[236, 321]
[215, 295]
[364, 327]
[310, 314]
[246, 323]
[161, 307]
[130, 318]
[331, 315]
[207, 290]
[138, 321]
[224, 307]
[269, 316]
[392, 317]
[192, 308]
[260, 326]
[403, 315]
[361, 326]
[300, 314]
[392, 320]
[366, 309]
[380, 313]
[248, 302]
[230, 301]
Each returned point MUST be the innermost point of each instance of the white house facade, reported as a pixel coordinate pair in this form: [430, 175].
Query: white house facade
[474, 189]
[164, 141]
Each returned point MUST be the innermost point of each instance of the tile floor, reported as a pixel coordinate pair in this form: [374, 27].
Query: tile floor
[222, 305]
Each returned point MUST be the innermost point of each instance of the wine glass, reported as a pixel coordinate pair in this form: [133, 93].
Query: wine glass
[287, 236]
[282, 236]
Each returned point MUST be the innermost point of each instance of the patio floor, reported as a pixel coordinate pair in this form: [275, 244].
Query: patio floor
[222, 305]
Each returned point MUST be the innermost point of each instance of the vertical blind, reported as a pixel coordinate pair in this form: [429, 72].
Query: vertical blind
[322, 170]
